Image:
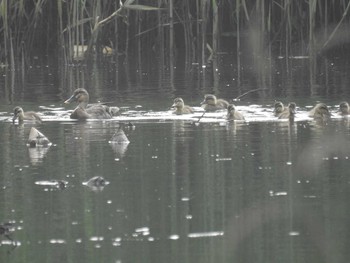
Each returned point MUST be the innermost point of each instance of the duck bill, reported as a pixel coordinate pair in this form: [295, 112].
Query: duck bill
[69, 100]
[203, 102]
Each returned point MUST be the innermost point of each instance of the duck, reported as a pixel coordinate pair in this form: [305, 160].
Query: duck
[89, 111]
[181, 108]
[22, 115]
[344, 108]
[211, 103]
[278, 108]
[233, 114]
[288, 112]
[320, 111]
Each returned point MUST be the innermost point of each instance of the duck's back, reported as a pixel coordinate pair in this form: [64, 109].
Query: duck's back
[98, 111]
[222, 104]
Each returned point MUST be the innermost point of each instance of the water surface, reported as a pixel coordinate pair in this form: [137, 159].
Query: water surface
[262, 190]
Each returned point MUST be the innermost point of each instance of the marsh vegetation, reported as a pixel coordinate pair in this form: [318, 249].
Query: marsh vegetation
[197, 31]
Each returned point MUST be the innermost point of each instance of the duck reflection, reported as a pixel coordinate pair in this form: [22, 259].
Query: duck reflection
[37, 154]
[119, 143]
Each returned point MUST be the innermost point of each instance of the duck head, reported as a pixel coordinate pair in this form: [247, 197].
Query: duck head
[292, 108]
[81, 96]
[344, 108]
[279, 107]
[18, 113]
[209, 99]
[231, 109]
[178, 103]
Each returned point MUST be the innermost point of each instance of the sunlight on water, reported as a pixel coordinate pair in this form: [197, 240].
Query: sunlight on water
[206, 234]
[252, 113]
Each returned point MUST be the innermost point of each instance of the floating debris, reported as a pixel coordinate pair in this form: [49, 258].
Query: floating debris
[6, 229]
[206, 234]
[60, 184]
[272, 193]
[96, 183]
[37, 139]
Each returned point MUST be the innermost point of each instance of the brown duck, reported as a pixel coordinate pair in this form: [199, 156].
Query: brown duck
[89, 111]
[211, 103]
[181, 108]
[22, 116]
[233, 114]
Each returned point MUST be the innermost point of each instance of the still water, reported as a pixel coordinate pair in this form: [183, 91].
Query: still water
[180, 191]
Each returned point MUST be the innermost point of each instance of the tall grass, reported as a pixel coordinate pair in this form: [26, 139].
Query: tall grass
[81, 29]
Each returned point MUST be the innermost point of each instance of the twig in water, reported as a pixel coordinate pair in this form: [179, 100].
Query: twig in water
[200, 117]
[240, 96]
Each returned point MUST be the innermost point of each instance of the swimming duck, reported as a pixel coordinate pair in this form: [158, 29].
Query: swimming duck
[28, 115]
[211, 103]
[233, 114]
[344, 108]
[288, 112]
[320, 111]
[181, 108]
[278, 108]
[92, 111]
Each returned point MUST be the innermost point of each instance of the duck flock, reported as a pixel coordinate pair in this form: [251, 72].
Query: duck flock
[211, 109]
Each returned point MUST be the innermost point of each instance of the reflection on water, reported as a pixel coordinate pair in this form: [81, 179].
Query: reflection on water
[190, 188]
[245, 192]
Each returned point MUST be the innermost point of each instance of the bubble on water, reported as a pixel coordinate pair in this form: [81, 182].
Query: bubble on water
[96, 239]
[174, 237]
[294, 233]
[57, 241]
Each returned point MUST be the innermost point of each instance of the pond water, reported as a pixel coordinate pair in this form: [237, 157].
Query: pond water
[182, 190]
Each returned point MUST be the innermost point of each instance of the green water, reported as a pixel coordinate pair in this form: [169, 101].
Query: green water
[178, 192]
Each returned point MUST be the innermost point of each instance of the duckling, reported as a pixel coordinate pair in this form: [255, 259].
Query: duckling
[344, 108]
[92, 111]
[288, 112]
[278, 108]
[211, 103]
[181, 108]
[320, 111]
[28, 115]
[233, 114]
